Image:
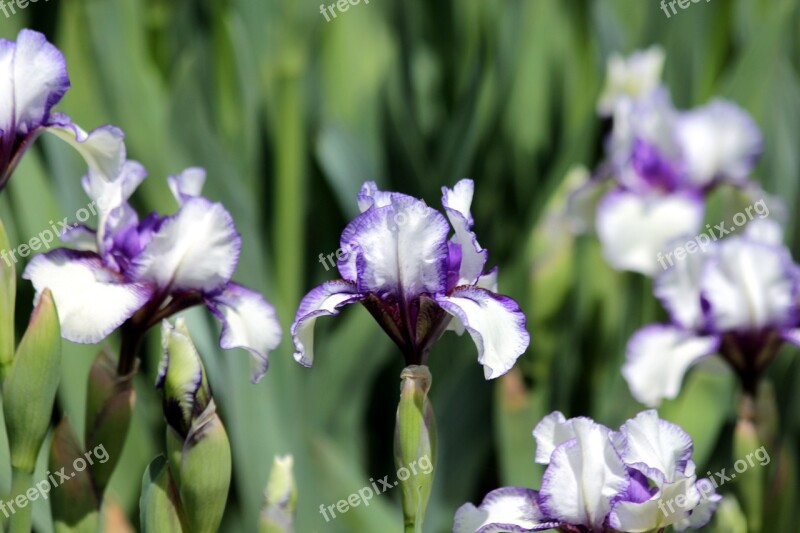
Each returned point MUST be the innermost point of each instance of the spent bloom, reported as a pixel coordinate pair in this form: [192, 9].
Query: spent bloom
[136, 272]
[661, 163]
[638, 479]
[738, 298]
[418, 275]
[33, 78]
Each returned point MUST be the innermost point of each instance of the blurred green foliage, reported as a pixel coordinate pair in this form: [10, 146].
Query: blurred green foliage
[290, 114]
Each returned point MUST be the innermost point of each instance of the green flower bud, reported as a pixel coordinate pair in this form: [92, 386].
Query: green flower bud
[8, 291]
[76, 502]
[280, 498]
[182, 377]
[110, 400]
[751, 483]
[30, 387]
[415, 444]
[159, 505]
[205, 472]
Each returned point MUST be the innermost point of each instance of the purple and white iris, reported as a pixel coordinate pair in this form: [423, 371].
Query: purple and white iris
[739, 298]
[33, 78]
[418, 281]
[137, 272]
[640, 478]
[663, 162]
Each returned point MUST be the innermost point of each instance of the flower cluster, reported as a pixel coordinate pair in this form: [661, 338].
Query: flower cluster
[662, 162]
[418, 282]
[640, 478]
[738, 297]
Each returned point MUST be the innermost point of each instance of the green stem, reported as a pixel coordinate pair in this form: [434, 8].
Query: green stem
[21, 521]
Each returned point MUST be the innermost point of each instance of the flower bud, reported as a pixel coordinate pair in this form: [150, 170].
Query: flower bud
[159, 505]
[75, 503]
[280, 498]
[30, 387]
[415, 444]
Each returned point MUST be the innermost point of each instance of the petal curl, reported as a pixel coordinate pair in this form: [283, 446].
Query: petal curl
[249, 321]
[457, 204]
[495, 323]
[188, 184]
[511, 509]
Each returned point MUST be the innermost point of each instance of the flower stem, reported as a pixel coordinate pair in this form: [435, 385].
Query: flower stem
[22, 518]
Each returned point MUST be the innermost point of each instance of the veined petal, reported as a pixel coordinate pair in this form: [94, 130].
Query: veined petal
[509, 509]
[400, 250]
[326, 299]
[749, 285]
[551, 432]
[195, 249]
[718, 141]
[103, 148]
[495, 323]
[92, 301]
[188, 184]
[657, 448]
[33, 78]
[679, 290]
[657, 358]
[584, 477]
[635, 230]
[249, 321]
[672, 504]
[457, 204]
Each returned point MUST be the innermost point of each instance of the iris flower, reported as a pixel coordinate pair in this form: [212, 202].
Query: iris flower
[417, 280]
[33, 78]
[662, 163]
[134, 272]
[640, 478]
[738, 298]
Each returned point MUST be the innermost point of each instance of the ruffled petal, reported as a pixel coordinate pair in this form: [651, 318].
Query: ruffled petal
[635, 230]
[495, 323]
[584, 477]
[188, 184]
[657, 358]
[457, 204]
[33, 78]
[631, 78]
[400, 250]
[195, 249]
[325, 299]
[719, 141]
[670, 505]
[703, 511]
[657, 448]
[749, 286]
[509, 509]
[92, 301]
[249, 321]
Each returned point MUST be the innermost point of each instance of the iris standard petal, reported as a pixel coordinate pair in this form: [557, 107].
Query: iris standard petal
[188, 184]
[509, 509]
[33, 78]
[749, 286]
[635, 230]
[249, 321]
[660, 511]
[584, 476]
[657, 358]
[678, 288]
[552, 431]
[92, 301]
[103, 148]
[631, 77]
[719, 140]
[195, 249]
[657, 448]
[325, 299]
[400, 250]
[457, 202]
[495, 323]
